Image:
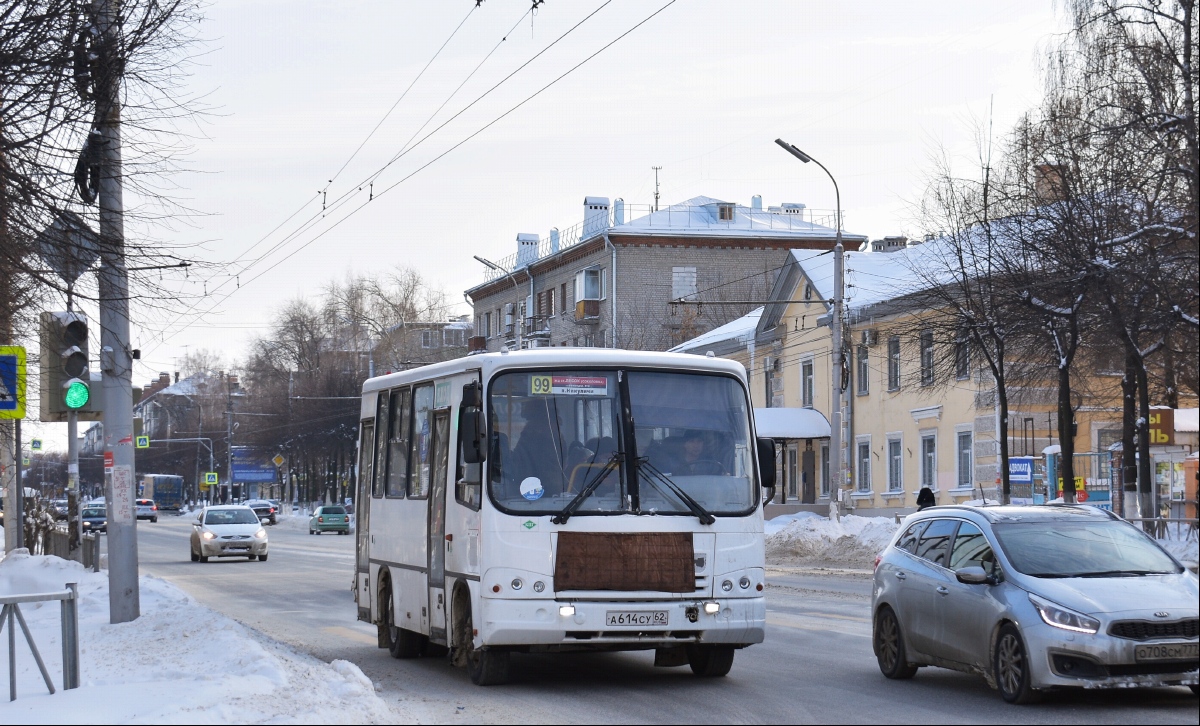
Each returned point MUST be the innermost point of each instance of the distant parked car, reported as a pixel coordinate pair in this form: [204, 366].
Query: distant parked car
[60, 507]
[264, 509]
[1035, 598]
[146, 509]
[329, 518]
[94, 519]
[228, 531]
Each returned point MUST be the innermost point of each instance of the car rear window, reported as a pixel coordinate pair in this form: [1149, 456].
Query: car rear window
[333, 510]
[145, 502]
[934, 544]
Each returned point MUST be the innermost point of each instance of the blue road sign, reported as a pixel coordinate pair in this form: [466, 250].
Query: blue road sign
[12, 381]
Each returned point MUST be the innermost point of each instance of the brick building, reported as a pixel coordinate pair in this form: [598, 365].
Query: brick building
[610, 281]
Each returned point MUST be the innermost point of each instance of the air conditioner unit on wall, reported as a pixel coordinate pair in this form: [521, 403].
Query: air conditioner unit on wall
[869, 337]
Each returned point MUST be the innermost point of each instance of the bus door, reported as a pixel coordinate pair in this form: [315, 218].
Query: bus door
[362, 515]
[440, 448]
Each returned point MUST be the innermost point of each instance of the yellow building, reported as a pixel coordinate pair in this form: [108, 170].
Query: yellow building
[917, 412]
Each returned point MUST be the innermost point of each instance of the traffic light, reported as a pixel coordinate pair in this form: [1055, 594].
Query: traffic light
[67, 383]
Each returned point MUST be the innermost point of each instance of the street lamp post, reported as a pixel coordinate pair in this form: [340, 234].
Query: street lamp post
[516, 303]
[835, 434]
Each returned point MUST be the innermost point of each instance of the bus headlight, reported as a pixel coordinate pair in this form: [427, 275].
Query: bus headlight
[727, 585]
[539, 586]
[744, 583]
[566, 611]
[712, 608]
[516, 584]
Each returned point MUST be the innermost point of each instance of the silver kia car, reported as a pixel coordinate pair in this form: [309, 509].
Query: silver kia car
[1035, 598]
[228, 531]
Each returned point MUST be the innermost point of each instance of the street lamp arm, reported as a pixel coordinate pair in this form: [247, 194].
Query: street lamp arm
[789, 148]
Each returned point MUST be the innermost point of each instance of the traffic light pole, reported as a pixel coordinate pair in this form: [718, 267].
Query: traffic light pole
[116, 359]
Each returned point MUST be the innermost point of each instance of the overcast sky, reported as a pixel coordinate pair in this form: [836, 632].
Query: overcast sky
[872, 89]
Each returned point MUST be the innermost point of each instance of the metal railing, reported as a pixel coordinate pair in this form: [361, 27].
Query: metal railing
[642, 217]
[11, 616]
[1160, 527]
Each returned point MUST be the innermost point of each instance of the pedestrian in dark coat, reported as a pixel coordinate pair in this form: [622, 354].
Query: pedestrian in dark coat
[925, 499]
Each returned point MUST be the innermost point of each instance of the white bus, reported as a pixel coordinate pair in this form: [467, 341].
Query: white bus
[562, 500]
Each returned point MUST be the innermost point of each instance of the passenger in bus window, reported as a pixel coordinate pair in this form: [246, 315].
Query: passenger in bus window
[698, 455]
[538, 452]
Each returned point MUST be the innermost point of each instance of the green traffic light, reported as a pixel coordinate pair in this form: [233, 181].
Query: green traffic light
[77, 395]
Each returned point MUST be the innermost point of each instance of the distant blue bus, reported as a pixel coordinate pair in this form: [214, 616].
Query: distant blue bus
[165, 489]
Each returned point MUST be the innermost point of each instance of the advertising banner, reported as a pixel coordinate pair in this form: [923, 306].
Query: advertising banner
[250, 466]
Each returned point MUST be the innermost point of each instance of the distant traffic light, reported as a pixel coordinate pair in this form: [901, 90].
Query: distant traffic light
[67, 383]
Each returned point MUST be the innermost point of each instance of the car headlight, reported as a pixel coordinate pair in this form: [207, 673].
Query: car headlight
[261, 534]
[207, 535]
[1059, 617]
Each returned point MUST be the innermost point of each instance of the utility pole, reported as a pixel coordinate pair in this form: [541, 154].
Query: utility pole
[229, 434]
[116, 358]
[837, 454]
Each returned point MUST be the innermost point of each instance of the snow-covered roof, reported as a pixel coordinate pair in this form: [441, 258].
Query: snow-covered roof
[701, 216]
[791, 423]
[1187, 420]
[739, 331]
[874, 277]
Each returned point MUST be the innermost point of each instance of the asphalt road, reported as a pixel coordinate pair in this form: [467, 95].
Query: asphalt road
[815, 666]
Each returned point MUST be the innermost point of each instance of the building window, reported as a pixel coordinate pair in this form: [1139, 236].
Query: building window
[487, 324]
[806, 383]
[725, 212]
[962, 360]
[589, 284]
[895, 465]
[807, 291]
[429, 339]
[893, 363]
[824, 470]
[929, 461]
[864, 371]
[562, 297]
[927, 358]
[965, 459]
[549, 295]
[452, 337]
[769, 382]
[683, 283]
[864, 466]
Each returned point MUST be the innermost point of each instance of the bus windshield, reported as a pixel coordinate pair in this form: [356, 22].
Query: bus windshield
[556, 434]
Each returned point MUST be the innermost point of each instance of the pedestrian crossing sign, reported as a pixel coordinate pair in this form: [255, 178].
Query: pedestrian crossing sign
[35, 444]
[210, 478]
[12, 381]
[142, 442]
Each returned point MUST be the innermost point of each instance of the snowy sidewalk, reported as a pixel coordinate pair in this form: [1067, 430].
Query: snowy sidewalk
[179, 662]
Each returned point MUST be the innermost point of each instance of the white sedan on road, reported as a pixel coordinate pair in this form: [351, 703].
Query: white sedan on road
[228, 531]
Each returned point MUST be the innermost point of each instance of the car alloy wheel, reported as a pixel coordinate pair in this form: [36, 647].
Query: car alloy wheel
[889, 647]
[1011, 667]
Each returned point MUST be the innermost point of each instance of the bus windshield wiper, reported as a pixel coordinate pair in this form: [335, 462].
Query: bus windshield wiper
[609, 467]
[660, 480]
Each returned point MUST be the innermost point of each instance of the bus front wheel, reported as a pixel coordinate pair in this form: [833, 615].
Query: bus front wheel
[710, 661]
[486, 666]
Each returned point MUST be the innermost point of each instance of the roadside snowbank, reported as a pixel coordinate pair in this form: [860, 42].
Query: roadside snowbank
[810, 539]
[178, 663]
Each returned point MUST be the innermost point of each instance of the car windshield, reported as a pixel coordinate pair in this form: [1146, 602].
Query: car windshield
[1081, 549]
[558, 434]
[93, 513]
[230, 516]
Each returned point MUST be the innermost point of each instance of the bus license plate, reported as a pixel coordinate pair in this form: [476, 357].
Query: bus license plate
[635, 617]
[1167, 651]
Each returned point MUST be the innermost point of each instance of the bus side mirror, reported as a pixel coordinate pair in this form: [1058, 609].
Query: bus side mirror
[470, 435]
[472, 397]
[766, 462]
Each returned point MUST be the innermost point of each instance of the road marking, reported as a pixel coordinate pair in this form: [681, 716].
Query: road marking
[820, 614]
[350, 634]
[815, 624]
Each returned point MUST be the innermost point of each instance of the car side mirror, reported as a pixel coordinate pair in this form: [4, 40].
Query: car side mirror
[766, 463]
[470, 434]
[974, 576]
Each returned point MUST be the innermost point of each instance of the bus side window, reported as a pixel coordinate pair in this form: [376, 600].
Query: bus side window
[397, 450]
[420, 457]
[381, 441]
[468, 488]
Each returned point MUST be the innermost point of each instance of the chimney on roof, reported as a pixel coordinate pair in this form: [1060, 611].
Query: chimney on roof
[889, 244]
[554, 242]
[527, 248]
[177, 376]
[1049, 182]
[595, 216]
[756, 203]
[619, 211]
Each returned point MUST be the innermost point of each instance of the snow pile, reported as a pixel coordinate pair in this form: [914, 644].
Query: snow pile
[815, 540]
[178, 663]
[776, 524]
